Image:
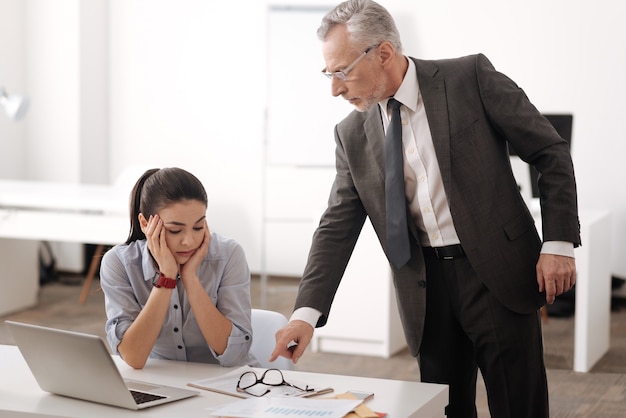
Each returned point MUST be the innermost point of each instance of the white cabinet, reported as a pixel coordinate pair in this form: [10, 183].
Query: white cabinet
[293, 198]
[364, 316]
[19, 276]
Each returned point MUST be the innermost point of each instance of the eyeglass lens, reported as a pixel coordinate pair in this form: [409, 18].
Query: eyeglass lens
[271, 377]
[343, 75]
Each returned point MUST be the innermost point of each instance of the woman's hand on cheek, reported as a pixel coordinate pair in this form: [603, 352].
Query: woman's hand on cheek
[155, 235]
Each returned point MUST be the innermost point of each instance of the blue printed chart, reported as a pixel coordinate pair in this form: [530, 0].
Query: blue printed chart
[307, 412]
[287, 407]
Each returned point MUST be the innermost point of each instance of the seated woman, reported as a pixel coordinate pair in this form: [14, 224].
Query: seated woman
[175, 290]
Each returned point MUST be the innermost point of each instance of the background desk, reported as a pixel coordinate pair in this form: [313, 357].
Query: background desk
[33, 211]
[19, 391]
[592, 322]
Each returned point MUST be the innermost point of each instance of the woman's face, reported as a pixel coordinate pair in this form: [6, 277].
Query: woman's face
[183, 226]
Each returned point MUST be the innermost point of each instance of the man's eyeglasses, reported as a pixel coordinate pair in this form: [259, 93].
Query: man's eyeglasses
[343, 75]
[270, 377]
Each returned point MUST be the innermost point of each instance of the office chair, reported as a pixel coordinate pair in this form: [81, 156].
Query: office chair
[264, 326]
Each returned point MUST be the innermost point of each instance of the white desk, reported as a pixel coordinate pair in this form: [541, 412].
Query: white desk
[592, 329]
[48, 195]
[33, 211]
[19, 391]
[592, 321]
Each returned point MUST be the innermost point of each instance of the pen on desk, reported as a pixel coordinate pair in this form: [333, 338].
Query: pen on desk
[317, 392]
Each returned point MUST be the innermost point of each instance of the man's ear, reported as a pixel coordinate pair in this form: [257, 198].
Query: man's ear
[143, 222]
[386, 52]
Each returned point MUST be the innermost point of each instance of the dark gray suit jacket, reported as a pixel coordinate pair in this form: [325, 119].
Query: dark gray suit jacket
[473, 111]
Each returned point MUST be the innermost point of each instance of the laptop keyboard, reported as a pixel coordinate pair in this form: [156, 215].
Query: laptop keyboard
[143, 397]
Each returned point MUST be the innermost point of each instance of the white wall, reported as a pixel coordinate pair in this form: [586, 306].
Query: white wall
[52, 72]
[187, 87]
[66, 127]
[12, 77]
[93, 94]
[569, 57]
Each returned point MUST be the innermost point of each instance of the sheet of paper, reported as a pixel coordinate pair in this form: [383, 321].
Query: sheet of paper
[227, 384]
[286, 407]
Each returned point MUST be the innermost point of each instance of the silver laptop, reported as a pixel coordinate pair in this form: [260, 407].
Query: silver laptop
[80, 366]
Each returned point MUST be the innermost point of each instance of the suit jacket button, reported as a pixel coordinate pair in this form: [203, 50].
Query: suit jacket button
[422, 283]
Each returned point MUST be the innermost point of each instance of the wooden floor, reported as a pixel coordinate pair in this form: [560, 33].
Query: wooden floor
[601, 393]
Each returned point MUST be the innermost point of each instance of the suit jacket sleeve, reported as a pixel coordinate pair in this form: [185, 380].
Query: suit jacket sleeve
[538, 144]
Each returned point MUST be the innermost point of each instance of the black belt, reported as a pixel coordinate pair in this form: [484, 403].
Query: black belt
[449, 252]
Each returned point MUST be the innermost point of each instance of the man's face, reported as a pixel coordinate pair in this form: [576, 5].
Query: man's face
[364, 84]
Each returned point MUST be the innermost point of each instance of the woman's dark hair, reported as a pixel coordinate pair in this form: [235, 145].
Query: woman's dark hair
[157, 188]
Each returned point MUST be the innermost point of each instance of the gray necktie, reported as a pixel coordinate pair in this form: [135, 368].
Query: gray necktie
[398, 247]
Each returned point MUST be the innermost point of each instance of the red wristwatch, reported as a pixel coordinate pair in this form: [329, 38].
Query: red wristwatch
[166, 282]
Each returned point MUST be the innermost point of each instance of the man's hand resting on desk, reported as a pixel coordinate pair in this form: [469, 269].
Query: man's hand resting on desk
[295, 331]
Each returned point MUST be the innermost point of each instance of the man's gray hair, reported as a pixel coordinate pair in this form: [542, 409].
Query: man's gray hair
[368, 23]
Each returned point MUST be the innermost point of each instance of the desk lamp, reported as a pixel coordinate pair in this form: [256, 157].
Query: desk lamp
[16, 105]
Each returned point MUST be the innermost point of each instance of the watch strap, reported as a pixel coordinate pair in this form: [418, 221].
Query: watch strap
[166, 282]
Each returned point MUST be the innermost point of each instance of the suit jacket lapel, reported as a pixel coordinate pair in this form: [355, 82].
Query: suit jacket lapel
[375, 134]
[433, 89]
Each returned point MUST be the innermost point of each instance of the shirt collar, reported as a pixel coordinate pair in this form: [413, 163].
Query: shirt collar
[408, 91]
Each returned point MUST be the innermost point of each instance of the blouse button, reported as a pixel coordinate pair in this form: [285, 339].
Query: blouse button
[175, 306]
[175, 329]
[247, 337]
[180, 347]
